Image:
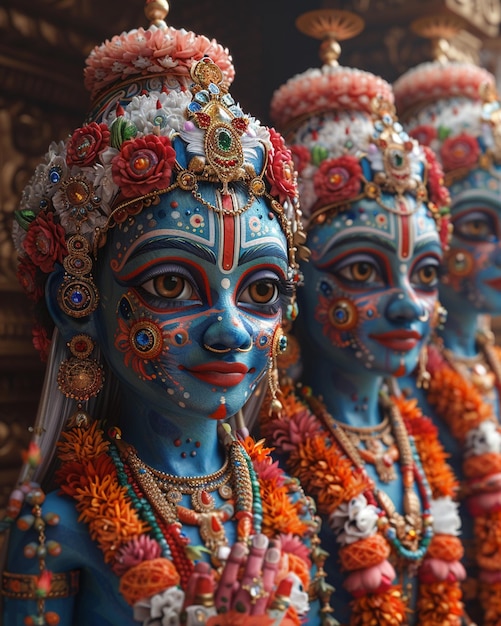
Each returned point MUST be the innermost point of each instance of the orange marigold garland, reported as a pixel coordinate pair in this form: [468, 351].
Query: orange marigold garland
[89, 476]
[472, 421]
[92, 478]
[440, 476]
[330, 477]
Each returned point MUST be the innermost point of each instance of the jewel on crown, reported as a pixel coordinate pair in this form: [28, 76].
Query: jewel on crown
[215, 113]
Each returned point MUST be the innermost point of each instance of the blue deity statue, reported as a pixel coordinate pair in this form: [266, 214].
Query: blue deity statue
[453, 108]
[376, 219]
[159, 241]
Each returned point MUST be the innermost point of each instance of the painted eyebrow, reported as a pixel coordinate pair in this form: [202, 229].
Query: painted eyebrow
[265, 249]
[384, 243]
[175, 243]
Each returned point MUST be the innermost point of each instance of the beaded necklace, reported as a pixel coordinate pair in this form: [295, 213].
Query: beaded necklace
[162, 492]
[410, 534]
[374, 439]
[328, 465]
[142, 539]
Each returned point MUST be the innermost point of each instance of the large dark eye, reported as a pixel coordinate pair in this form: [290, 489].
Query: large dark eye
[260, 292]
[359, 272]
[427, 275]
[475, 226]
[171, 286]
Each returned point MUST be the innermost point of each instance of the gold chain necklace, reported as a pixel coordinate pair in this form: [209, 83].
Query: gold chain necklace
[164, 492]
[482, 370]
[380, 449]
[408, 527]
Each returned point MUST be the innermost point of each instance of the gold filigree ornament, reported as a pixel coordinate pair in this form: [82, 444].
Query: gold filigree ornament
[214, 111]
[396, 148]
[78, 295]
[80, 377]
[491, 115]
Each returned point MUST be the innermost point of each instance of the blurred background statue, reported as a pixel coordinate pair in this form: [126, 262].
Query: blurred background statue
[453, 108]
[376, 215]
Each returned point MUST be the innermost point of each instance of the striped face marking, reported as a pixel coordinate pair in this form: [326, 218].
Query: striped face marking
[373, 274]
[186, 288]
[229, 223]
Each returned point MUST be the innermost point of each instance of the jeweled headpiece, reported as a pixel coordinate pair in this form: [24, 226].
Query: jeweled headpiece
[162, 119]
[453, 108]
[344, 135]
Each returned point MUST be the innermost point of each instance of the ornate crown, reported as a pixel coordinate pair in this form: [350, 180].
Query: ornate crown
[453, 108]
[136, 149]
[344, 135]
[148, 59]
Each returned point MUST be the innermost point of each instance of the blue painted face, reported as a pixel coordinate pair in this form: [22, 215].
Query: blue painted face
[473, 262]
[371, 287]
[191, 300]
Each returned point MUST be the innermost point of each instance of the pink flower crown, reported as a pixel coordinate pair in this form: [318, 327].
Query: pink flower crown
[157, 52]
[453, 108]
[348, 145]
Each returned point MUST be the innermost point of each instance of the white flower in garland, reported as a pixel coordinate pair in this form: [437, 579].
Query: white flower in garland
[446, 519]
[162, 609]
[354, 520]
[483, 439]
[158, 112]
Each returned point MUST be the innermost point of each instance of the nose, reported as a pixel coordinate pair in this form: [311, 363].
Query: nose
[403, 307]
[226, 332]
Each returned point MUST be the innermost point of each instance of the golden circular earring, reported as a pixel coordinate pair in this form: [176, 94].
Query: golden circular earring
[78, 295]
[80, 377]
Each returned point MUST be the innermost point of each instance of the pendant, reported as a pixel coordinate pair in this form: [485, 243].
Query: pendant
[381, 459]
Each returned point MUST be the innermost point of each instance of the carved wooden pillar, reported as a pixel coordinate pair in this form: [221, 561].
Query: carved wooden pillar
[388, 47]
[43, 44]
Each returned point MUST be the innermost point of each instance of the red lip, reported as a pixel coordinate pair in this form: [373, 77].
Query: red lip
[398, 340]
[219, 373]
[495, 283]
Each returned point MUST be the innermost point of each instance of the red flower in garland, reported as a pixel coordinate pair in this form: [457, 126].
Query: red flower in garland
[301, 157]
[29, 279]
[280, 169]
[45, 242]
[143, 165]
[86, 143]
[424, 134]
[460, 151]
[337, 180]
[438, 192]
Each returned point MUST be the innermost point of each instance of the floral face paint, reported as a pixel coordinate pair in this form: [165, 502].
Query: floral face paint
[473, 262]
[371, 286]
[194, 301]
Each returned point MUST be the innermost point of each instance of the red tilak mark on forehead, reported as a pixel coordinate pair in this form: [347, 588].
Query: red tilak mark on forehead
[405, 239]
[228, 233]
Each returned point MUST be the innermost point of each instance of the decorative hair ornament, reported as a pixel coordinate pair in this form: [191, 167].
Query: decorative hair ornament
[136, 148]
[452, 107]
[346, 140]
